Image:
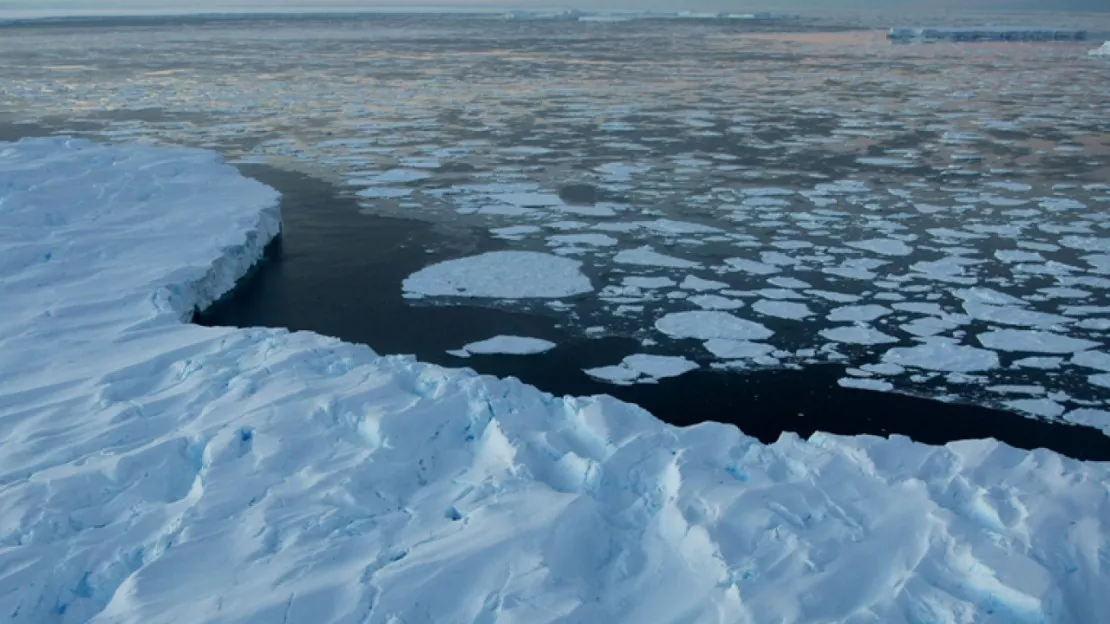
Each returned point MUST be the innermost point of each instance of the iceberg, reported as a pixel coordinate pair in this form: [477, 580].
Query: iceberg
[1103, 50]
[155, 471]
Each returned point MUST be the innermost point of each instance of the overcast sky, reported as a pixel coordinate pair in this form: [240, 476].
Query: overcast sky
[714, 5]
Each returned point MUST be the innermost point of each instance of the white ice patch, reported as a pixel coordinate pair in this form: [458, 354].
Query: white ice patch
[858, 314]
[509, 345]
[646, 256]
[715, 302]
[643, 367]
[737, 349]
[648, 283]
[858, 383]
[501, 275]
[586, 240]
[707, 325]
[751, 266]
[1097, 360]
[1041, 363]
[943, 356]
[1033, 341]
[1009, 315]
[782, 309]
[883, 246]
[692, 282]
[1045, 408]
[857, 334]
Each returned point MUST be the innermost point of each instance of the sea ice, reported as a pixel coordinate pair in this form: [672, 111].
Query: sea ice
[1097, 360]
[643, 367]
[501, 275]
[737, 349]
[1045, 408]
[943, 356]
[692, 282]
[587, 240]
[509, 345]
[707, 325]
[715, 302]
[857, 383]
[646, 256]
[156, 471]
[782, 309]
[862, 313]
[1033, 341]
[857, 334]
[883, 246]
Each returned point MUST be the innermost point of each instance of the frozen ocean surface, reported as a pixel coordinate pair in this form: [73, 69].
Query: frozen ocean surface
[157, 471]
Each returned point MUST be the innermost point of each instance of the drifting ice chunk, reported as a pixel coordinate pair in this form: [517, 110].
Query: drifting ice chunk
[944, 356]
[877, 385]
[737, 349]
[509, 345]
[861, 313]
[883, 246]
[1103, 50]
[501, 275]
[693, 282]
[782, 309]
[1033, 341]
[646, 256]
[1092, 359]
[857, 334]
[635, 368]
[707, 325]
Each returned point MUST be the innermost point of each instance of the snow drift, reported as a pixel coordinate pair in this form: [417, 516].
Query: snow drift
[155, 471]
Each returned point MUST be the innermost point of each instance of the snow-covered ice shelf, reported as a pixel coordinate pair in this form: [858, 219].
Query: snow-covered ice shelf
[156, 471]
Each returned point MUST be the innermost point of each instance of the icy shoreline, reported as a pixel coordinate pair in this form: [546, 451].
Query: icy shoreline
[156, 471]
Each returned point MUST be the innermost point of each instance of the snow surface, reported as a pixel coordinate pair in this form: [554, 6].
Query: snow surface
[509, 345]
[154, 471]
[501, 275]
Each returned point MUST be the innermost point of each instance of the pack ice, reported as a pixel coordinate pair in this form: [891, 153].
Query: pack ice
[155, 471]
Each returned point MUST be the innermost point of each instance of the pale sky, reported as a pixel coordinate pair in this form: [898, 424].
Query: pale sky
[706, 5]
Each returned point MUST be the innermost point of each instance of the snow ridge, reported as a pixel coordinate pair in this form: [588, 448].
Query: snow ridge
[154, 471]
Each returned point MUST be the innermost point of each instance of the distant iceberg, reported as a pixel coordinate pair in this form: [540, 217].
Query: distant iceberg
[1101, 51]
[985, 34]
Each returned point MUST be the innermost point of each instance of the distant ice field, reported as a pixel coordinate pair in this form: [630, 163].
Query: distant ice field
[934, 217]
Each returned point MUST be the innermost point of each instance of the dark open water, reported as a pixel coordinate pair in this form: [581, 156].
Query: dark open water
[339, 272]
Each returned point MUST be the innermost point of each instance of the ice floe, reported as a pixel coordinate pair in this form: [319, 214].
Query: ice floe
[857, 334]
[1032, 341]
[862, 383]
[646, 256]
[501, 275]
[782, 309]
[943, 356]
[643, 367]
[707, 325]
[508, 345]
